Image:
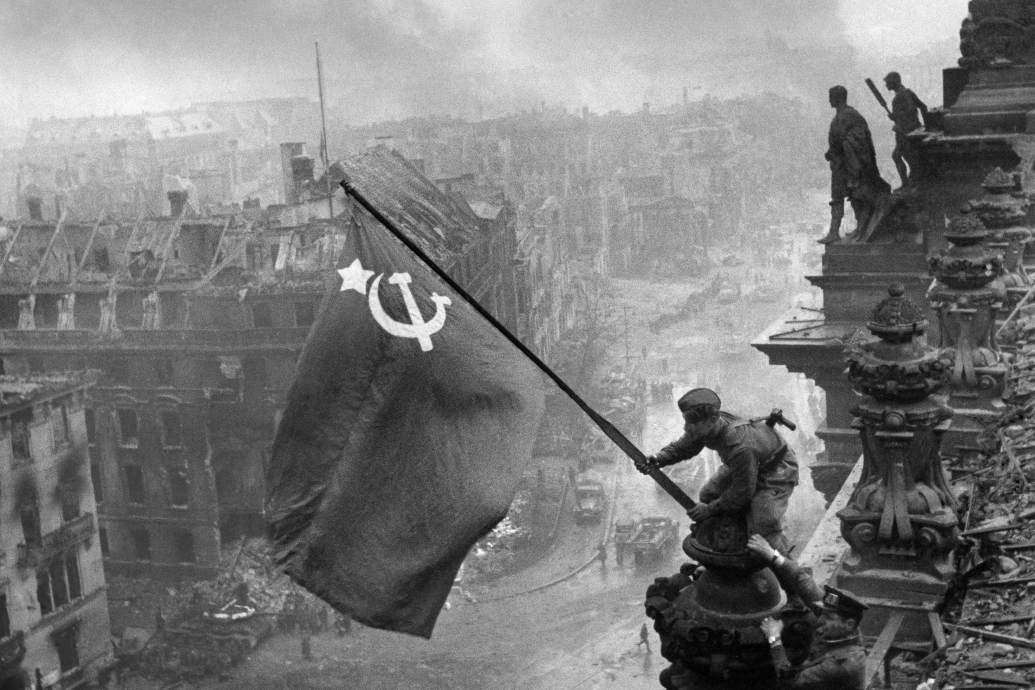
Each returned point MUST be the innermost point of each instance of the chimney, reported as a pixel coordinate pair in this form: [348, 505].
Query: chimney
[288, 151]
[303, 171]
[35, 205]
[177, 201]
[235, 162]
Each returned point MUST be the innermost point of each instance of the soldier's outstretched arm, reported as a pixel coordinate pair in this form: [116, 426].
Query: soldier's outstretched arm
[682, 448]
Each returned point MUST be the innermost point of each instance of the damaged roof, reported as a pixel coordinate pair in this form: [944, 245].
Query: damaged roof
[437, 222]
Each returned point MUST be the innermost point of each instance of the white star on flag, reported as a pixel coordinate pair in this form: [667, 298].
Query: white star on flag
[355, 277]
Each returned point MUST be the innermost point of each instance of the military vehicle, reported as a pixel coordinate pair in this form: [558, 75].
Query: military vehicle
[590, 500]
[651, 537]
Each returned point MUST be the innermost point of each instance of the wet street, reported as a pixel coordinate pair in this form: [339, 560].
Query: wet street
[568, 622]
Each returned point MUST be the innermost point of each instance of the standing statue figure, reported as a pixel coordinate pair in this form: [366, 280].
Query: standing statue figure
[906, 110]
[758, 473]
[853, 170]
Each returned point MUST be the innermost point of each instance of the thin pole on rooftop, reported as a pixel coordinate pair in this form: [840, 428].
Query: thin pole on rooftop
[323, 141]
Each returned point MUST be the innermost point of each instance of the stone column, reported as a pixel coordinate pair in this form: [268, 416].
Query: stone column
[901, 520]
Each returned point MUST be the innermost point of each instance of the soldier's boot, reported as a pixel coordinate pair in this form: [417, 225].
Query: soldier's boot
[837, 212]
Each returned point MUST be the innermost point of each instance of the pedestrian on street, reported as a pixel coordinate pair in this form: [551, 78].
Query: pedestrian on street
[618, 554]
[307, 650]
[324, 617]
[644, 637]
[602, 553]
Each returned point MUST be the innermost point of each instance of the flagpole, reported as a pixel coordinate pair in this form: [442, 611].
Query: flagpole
[323, 126]
[609, 429]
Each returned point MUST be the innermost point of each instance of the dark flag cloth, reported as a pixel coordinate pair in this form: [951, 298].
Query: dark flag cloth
[406, 433]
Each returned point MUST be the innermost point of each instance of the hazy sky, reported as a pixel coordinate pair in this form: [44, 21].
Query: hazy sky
[395, 57]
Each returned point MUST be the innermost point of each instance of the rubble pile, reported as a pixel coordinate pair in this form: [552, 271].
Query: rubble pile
[991, 635]
[189, 644]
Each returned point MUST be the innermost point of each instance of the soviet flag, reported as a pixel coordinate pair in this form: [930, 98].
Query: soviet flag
[404, 438]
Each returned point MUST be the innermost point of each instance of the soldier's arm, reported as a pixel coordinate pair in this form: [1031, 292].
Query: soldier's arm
[743, 465]
[795, 580]
[682, 448]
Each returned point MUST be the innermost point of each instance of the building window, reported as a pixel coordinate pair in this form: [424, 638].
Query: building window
[95, 477]
[261, 317]
[179, 489]
[75, 583]
[183, 542]
[91, 427]
[43, 592]
[305, 314]
[102, 536]
[58, 583]
[30, 517]
[172, 436]
[59, 424]
[20, 445]
[164, 371]
[5, 618]
[69, 505]
[129, 430]
[66, 641]
[141, 544]
[135, 483]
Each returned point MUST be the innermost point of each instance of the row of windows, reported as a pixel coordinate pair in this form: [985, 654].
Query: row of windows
[58, 583]
[181, 540]
[128, 428]
[136, 491]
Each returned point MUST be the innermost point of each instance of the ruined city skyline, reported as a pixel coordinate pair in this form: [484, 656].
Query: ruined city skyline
[387, 59]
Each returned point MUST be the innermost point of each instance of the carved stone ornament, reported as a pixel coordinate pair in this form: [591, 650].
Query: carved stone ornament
[902, 506]
[967, 264]
[708, 618]
[897, 368]
[998, 33]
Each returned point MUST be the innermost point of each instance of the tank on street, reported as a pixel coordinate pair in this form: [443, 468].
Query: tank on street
[652, 536]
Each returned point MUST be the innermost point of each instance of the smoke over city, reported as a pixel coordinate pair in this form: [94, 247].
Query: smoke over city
[389, 58]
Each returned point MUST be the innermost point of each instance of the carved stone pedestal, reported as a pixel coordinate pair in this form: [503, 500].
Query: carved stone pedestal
[709, 626]
[901, 520]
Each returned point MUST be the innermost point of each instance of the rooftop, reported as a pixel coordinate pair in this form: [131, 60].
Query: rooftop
[17, 392]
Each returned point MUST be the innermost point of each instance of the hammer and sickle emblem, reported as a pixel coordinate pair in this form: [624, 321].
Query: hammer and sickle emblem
[417, 328]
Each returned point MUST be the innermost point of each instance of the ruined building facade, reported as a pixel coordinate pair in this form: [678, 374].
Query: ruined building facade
[195, 323]
[53, 602]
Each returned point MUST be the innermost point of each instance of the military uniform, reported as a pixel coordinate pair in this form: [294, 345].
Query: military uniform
[836, 665]
[759, 473]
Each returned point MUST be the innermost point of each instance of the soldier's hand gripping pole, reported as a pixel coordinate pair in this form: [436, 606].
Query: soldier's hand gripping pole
[612, 432]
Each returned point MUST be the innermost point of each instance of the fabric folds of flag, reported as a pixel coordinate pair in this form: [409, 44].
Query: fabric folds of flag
[406, 432]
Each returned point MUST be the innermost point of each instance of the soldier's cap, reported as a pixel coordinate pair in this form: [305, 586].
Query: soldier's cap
[696, 397]
[893, 76]
[840, 601]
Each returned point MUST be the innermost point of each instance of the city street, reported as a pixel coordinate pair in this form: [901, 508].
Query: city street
[567, 622]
